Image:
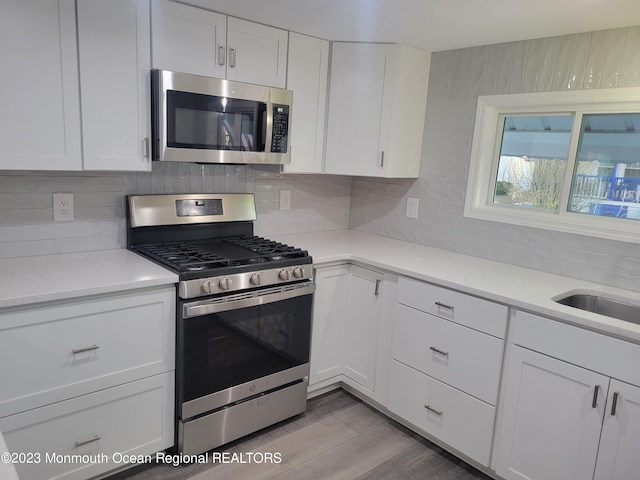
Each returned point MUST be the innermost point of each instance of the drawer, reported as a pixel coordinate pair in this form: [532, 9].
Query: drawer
[457, 419]
[131, 419]
[595, 351]
[466, 359]
[473, 312]
[64, 350]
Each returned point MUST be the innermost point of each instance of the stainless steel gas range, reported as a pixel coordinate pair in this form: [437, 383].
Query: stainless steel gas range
[243, 314]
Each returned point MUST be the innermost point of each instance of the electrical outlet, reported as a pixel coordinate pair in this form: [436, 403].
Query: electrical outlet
[285, 199]
[62, 207]
[412, 207]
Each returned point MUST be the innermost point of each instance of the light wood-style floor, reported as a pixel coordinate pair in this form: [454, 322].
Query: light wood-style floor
[339, 437]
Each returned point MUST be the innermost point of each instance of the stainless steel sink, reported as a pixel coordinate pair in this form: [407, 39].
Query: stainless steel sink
[604, 306]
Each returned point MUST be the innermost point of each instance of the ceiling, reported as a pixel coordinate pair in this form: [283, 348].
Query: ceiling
[434, 25]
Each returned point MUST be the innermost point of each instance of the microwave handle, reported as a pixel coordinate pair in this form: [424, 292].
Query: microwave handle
[221, 55]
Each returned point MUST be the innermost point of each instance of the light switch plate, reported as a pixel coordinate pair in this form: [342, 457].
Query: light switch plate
[285, 199]
[412, 207]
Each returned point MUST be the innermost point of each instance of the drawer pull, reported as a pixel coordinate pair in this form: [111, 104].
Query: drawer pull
[84, 349]
[444, 305]
[594, 402]
[614, 404]
[439, 352]
[433, 410]
[85, 442]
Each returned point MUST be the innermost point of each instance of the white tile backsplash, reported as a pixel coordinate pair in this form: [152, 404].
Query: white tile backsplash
[26, 212]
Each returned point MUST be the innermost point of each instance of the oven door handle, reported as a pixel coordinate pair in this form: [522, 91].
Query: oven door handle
[234, 302]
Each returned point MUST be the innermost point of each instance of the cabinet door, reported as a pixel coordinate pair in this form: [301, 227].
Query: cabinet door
[329, 305]
[618, 457]
[40, 115]
[361, 326]
[257, 53]
[307, 78]
[356, 93]
[188, 39]
[550, 427]
[115, 59]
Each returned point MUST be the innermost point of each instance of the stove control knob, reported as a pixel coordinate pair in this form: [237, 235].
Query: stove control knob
[207, 287]
[298, 272]
[254, 279]
[224, 283]
[283, 274]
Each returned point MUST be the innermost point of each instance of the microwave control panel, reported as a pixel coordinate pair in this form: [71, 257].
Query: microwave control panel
[279, 137]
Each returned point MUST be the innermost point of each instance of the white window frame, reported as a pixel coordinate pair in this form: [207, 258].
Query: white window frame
[487, 138]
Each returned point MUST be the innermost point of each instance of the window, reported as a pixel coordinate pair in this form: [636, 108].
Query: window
[567, 161]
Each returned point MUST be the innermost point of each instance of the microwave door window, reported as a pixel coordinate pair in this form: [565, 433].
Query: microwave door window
[215, 123]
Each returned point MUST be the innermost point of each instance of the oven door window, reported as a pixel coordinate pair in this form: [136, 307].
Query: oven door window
[229, 348]
[215, 123]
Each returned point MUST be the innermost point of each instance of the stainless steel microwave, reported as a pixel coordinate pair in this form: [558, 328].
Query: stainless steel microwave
[210, 120]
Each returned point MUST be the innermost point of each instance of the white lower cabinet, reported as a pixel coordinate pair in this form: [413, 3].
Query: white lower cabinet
[550, 428]
[352, 326]
[450, 415]
[446, 365]
[91, 434]
[563, 414]
[327, 337]
[89, 376]
[618, 457]
[362, 322]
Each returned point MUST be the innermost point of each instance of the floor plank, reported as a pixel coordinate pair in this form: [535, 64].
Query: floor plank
[355, 457]
[293, 449]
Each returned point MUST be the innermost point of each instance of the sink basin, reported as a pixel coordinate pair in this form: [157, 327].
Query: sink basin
[604, 306]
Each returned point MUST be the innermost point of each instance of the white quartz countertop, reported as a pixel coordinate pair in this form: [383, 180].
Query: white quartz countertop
[30, 280]
[522, 288]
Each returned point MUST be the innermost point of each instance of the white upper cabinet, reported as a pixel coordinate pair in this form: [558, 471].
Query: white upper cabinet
[188, 39]
[40, 115]
[197, 41]
[115, 58]
[256, 53]
[377, 103]
[307, 75]
[51, 69]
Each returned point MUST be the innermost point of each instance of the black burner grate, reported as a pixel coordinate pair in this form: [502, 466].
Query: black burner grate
[263, 246]
[229, 252]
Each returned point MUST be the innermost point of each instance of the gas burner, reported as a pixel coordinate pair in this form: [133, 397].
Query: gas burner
[207, 252]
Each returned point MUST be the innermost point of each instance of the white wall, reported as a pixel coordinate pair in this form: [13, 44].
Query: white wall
[604, 59]
[26, 211]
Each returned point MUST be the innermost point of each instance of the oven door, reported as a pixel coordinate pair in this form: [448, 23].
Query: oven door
[235, 347]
